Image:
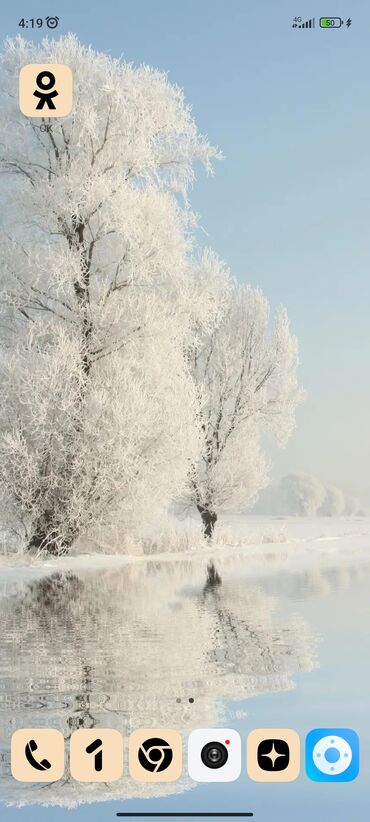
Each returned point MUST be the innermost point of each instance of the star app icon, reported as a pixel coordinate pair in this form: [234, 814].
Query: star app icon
[273, 755]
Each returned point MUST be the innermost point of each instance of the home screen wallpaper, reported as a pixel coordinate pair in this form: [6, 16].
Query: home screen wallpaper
[184, 419]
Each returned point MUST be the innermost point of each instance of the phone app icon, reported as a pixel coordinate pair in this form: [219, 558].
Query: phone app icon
[96, 755]
[273, 755]
[45, 90]
[214, 755]
[37, 755]
[332, 755]
[155, 755]
[30, 750]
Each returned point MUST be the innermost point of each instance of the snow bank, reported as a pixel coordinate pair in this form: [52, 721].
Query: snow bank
[266, 542]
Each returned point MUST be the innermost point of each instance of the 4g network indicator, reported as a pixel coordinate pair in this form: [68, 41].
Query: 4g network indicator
[324, 23]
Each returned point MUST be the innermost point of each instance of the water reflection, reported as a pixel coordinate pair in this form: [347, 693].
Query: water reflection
[128, 648]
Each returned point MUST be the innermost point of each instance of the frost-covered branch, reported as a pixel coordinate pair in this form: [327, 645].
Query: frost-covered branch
[96, 304]
[246, 376]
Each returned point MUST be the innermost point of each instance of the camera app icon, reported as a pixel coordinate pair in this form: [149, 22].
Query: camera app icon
[155, 755]
[214, 755]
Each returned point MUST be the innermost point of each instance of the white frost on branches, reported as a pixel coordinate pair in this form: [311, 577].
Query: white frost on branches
[98, 405]
[246, 375]
[304, 495]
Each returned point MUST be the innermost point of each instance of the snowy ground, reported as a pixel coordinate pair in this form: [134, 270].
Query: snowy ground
[289, 542]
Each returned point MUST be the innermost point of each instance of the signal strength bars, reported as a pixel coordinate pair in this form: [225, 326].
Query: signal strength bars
[308, 24]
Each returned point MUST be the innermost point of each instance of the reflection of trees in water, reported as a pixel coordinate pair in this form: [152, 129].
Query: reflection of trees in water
[120, 648]
[213, 579]
[245, 639]
[44, 605]
[50, 595]
[315, 582]
[82, 716]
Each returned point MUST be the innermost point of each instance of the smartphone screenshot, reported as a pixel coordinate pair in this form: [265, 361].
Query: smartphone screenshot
[184, 415]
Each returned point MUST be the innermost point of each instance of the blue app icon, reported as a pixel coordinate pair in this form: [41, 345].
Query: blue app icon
[332, 755]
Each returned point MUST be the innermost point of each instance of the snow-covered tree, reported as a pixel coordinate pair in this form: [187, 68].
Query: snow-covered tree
[353, 507]
[334, 502]
[301, 495]
[97, 414]
[304, 495]
[246, 376]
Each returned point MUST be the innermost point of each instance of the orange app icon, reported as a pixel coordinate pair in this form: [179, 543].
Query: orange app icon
[273, 755]
[37, 755]
[96, 755]
[45, 90]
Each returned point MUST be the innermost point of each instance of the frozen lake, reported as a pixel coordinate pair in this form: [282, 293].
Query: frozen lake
[272, 636]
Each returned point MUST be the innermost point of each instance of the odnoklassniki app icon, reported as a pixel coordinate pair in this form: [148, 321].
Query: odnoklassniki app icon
[332, 755]
[45, 90]
[155, 755]
[273, 755]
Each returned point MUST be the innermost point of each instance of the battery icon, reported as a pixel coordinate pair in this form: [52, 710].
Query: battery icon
[330, 22]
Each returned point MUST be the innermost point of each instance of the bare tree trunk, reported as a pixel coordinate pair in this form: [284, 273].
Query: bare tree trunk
[45, 537]
[209, 519]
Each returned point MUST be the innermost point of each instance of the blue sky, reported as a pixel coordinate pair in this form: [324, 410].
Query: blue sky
[288, 207]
